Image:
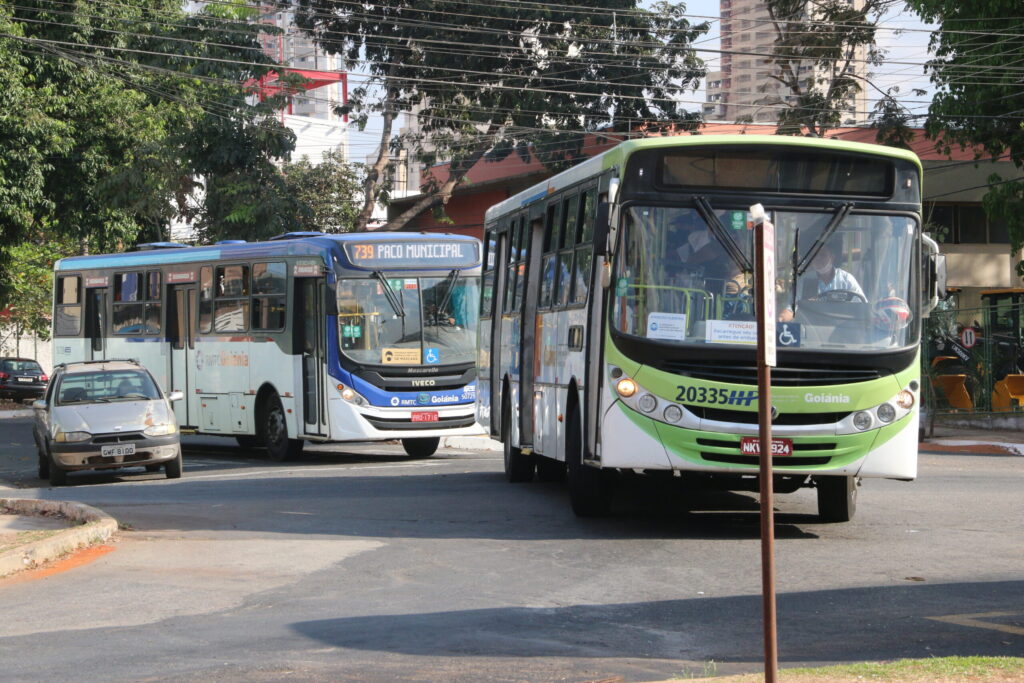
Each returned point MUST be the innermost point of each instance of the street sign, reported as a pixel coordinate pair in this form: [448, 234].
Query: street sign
[969, 337]
[768, 291]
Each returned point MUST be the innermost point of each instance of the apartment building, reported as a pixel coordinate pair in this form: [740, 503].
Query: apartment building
[743, 89]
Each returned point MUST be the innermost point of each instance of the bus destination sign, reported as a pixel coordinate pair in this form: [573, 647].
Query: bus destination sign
[413, 254]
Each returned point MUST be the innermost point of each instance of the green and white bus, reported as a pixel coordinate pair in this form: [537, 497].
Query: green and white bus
[617, 329]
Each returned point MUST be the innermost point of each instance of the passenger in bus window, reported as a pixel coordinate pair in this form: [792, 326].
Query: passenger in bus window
[825, 276]
[699, 257]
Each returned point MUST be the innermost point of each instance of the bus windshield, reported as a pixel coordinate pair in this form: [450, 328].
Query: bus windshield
[844, 281]
[433, 323]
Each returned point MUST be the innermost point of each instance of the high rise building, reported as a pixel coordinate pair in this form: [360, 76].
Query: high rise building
[743, 88]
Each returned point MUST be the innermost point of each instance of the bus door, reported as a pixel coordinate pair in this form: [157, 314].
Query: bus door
[182, 338]
[310, 339]
[95, 323]
[494, 368]
[533, 242]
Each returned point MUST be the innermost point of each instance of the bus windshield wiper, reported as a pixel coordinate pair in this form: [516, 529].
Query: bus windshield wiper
[449, 289]
[838, 217]
[389, 294]
[706, 212]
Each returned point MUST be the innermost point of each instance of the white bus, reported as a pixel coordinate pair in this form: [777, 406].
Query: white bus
[308, 337]
[617, 324]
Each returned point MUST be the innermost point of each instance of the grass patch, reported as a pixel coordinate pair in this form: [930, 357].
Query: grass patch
[937, 669]
[23, 537]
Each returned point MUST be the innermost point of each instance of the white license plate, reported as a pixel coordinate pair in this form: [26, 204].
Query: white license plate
[25, 379]
[119, 449]
[751, 445]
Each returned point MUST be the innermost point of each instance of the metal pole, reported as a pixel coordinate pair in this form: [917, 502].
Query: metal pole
[764, 278]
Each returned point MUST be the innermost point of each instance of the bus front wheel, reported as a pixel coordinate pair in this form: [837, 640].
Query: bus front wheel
[837, 498]
[422, 447]
[590, 491]
[518, 466]
[274, 432]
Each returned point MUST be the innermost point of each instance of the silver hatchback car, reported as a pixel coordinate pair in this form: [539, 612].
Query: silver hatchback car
[103, 415]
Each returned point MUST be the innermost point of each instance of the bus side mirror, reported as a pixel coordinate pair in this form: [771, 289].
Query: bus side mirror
[934, 275]
[602, 222]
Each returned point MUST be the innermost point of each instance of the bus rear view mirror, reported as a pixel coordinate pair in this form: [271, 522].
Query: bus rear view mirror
[934, 275]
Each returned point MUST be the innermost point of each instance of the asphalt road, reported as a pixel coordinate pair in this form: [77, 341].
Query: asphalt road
[357, 563]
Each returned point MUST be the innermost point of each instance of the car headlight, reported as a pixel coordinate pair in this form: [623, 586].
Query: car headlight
[71, 437]
[160, 430]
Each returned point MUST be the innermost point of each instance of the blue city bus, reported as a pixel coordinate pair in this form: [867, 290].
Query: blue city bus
[306, 337]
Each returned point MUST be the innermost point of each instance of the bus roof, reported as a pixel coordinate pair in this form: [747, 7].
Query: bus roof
[321, 245]
[616, 157]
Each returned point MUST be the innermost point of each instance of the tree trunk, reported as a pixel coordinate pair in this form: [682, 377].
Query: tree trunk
[374, 174]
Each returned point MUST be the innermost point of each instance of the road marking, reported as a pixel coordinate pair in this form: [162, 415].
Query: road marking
[975, 621]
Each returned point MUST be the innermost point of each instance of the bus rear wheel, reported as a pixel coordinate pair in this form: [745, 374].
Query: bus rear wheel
[837, 498]
[274, 432]
[518, 466]
[590, 491]
[421, 447]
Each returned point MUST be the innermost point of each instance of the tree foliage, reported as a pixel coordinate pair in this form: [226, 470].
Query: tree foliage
[822, 48]
[488, 81]
[328, 192]
[979, 99]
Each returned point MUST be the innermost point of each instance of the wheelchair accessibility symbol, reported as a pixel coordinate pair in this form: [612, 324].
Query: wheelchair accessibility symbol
[787, 334]
[431, 356]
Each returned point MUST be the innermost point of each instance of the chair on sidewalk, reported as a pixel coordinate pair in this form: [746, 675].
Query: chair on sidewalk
[954, 387]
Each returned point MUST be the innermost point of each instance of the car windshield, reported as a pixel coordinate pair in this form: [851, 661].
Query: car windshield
[390, 320]
[843, 280]
[105, 386]
[20, 366]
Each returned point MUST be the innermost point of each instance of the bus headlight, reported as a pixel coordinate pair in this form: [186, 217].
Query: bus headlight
[673, 413]
[626, 387]
[862, 420]
[647, 403]
[351, 395]
[905, 400]
[886, 413]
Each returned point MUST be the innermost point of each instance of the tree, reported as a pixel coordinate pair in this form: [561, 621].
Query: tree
[821, 49]
[979, 99]
[329, 191]
[489, 80]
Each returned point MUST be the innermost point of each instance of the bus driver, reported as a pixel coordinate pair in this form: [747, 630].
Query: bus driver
[825, 277]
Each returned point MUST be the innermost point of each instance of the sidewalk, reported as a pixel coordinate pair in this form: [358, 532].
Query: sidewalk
[948, 439]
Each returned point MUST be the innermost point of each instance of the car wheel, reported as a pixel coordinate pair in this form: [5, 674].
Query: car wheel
[172, 468]
[421, 447]
[58, 477]
[837, 498]
[44, 464]
[274, 432]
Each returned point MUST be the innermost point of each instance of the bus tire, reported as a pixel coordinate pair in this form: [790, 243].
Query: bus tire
[172, 468]
[590, 491]
[274, 432]
[837, 498]
[423, 447]
[518, 467]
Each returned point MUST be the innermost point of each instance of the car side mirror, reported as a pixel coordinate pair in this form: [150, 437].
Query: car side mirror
[175, 396]
[39, 404]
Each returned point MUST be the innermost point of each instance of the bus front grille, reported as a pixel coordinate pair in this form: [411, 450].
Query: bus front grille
[390, 423]
[779, 461]
[750, 417]
[789, 376]
[721, 443]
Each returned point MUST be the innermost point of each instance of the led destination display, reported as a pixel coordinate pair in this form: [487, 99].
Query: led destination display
[413, 254]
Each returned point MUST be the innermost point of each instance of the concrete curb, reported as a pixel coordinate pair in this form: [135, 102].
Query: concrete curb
[471, 443]
[96, 526]
[15, 413]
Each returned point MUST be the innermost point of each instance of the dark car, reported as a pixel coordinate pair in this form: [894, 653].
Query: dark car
[21, 378]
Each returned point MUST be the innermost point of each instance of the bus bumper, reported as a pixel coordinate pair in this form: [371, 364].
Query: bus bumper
[370, 423]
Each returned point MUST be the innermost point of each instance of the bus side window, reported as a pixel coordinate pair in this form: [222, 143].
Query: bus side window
[68, 319]
[487, 291]
[268, 295]
[584, 247]
[206, 299]
[231, 301]
[563, 286]
[547, 267]
[524, 258]
[513, 249]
